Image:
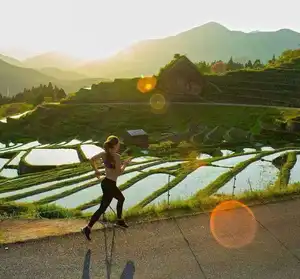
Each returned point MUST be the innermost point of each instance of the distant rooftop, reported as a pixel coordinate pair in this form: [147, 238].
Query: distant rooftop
[134, 133]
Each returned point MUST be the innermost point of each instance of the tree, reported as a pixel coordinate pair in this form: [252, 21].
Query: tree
[50, 86]
[203, 67]
[177, 55]
[273, 60]
[218, 67]
[61, 94]
[37, 100]
[230, 64]
[257, 64]
[249, 64]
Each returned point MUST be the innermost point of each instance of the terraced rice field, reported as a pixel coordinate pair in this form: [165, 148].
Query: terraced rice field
[72, 184]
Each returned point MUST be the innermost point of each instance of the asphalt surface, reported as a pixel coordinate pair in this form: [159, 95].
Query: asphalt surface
[176, 248]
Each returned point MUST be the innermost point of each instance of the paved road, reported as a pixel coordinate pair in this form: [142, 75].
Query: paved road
[178, 248]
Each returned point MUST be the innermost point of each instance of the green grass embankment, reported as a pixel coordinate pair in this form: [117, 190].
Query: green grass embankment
[20, 210]
[14, 108]
[199, 204]
[284, 175]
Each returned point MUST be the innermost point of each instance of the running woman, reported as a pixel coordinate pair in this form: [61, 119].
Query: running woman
[113, 168]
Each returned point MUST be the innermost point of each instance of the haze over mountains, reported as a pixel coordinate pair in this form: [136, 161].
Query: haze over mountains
[14, 79]
[208, 42]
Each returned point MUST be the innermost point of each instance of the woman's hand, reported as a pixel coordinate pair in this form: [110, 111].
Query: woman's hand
[98, 174]
[127, 161]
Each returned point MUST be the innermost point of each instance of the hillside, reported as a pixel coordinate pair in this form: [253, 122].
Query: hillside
[208, 42]
[61, 74]
[14, 79]
[10, 60]
[278, 84]
[84, 121]
[51, 60]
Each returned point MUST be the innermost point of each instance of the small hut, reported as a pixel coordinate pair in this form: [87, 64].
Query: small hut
[293, 125]
[181, 77]
[136, 137]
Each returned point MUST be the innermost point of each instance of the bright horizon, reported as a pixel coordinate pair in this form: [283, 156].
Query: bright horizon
[97, 29]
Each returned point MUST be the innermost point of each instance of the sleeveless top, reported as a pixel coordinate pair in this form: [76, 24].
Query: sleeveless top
[109, 165]
[110, 171]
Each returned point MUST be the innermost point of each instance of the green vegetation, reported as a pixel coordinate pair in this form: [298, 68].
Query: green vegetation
[277, 83]
[178, 132]
[116, 91]
[65, 122]
[289, 59]
[13, 108]
[249, 83]
[38, 95]
[198, 204]
[204, 200]
[14, 210]
[284, 175]
[19, 210]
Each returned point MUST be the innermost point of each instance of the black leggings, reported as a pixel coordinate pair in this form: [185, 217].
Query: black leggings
[110, 191]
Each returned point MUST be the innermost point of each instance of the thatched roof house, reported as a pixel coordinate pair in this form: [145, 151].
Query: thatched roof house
[181, 76]
[136, 137]
[293, 125]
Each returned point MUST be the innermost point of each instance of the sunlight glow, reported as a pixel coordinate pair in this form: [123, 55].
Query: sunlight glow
[158, 101]
[233, 224]
[146, 84]
[97, 29]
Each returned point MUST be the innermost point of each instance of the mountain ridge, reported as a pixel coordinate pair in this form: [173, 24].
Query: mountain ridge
[14, 79]
[209, 42]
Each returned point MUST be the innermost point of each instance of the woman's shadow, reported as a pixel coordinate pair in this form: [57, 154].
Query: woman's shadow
[128, 271]
[86, 265]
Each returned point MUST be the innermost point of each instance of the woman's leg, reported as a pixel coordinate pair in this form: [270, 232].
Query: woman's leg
[120, 197]
[106, 200]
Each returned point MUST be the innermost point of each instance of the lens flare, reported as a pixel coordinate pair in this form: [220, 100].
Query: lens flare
[146, 84]
[233, 224]
[157, 101]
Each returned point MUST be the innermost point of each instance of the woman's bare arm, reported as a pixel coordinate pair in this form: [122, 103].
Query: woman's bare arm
[121, 167]
[94, 159]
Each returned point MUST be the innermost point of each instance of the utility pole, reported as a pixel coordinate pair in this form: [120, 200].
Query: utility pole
[168, 191]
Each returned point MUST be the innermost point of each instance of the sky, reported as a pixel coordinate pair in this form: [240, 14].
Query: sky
[97, 29]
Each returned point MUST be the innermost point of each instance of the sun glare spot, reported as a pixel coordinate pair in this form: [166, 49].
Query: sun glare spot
[146, 84]
[157, 101]
[233, 224]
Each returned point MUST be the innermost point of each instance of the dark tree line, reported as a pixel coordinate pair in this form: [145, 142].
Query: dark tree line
[36, 95]
[231, 65]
